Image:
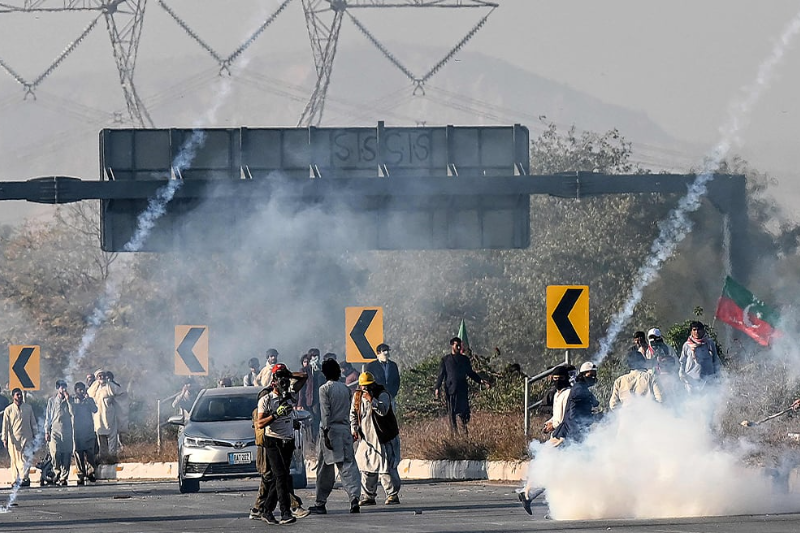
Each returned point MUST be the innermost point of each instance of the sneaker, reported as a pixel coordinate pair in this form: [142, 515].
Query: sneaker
[354, 507]
[288, 520]
[392, 500]
[255, 514]
[299, 512]
[92, 478]
[526, 503]
[317, 509]
[269, 518]
[367, 501]
[25, 483]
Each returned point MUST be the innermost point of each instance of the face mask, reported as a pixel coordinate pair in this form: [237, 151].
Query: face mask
[561, 383]
[591, 382]
[314, 362]
[383, 357]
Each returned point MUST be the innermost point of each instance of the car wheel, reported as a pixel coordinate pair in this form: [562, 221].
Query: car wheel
[188, 486]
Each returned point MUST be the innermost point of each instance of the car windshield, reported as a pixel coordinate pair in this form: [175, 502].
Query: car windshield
[218, 408]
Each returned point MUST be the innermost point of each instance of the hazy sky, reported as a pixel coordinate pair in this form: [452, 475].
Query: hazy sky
[680, 62]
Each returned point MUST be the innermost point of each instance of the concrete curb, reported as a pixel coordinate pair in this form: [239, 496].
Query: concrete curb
[410, 469]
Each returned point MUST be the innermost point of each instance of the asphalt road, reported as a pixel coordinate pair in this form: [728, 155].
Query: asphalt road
[117, 507]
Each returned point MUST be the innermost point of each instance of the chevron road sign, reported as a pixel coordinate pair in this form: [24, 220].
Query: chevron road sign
[567, 316]
[191, 350]
[23, 367]
[364, 332]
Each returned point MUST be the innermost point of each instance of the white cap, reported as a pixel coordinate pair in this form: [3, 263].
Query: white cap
[588, 366]
[655, 332]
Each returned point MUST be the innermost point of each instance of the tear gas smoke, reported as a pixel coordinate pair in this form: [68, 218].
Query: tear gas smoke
[646, 460]
[28, 455]
[678, 225]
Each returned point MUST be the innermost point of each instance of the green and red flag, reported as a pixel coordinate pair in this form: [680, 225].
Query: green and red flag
[740, 309]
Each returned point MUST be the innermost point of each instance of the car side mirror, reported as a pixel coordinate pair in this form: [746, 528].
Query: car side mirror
[176, 420]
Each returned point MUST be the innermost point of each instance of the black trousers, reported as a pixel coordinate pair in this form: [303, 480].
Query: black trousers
[279, 456]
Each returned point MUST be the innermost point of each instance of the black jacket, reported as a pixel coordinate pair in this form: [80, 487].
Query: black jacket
[390, 382]
[453, 372]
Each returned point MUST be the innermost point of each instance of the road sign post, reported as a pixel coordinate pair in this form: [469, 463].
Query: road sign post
[567, 316]
[191, 350]
[363, 333]
[24, 367]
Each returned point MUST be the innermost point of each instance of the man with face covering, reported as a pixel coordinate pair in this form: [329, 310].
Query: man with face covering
[104, 392]
[374, 425]
[562, 384]
[58, 432]
[385, 371]
[265, 376]
[580, 403]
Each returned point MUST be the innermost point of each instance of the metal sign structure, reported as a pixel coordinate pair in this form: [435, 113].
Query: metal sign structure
[191, 350]
[24, 367]
[364, 332]
[567, 316]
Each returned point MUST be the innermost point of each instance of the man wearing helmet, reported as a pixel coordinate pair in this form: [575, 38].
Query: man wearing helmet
[275, 416]
[374, 426]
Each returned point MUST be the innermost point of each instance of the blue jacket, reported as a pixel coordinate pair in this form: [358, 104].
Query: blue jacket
[578, 416]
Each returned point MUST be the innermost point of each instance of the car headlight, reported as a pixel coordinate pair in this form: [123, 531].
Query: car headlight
[197, 442]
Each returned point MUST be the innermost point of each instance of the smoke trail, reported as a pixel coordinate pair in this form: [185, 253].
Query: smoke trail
[28, 454]
[678, 225]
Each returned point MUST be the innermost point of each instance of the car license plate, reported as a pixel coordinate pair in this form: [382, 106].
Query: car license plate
[239, 458]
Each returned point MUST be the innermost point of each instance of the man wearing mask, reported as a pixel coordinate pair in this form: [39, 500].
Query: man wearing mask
[265, 376]
[83, 410]
[580, 403]
[562, 384]
[315, 380]
[275, 412]
[699, 359]
[104, 393]
[335, 449]
[374, 426]
[19, 427]
[58, 432]
[385, 371]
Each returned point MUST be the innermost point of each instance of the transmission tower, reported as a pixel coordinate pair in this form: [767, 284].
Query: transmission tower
[324, 22]
[123, 20]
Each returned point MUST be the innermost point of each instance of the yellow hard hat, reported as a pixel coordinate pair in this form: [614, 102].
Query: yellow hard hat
[366, 379]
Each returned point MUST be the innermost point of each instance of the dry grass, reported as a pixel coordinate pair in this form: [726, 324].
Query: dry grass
[491, 436]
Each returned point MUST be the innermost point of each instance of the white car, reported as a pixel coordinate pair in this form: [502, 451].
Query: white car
[218, 440]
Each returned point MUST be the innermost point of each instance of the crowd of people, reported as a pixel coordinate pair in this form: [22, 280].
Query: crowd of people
[84, 427]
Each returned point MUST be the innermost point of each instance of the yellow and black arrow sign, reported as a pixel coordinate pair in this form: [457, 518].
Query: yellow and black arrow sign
[191, 350]
[567, 316]
[23, 367]
[364, 332]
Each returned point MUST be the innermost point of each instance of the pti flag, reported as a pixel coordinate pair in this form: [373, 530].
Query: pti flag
[740, 309]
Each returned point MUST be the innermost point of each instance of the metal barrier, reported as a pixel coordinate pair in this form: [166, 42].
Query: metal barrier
[528, 381]
[159, 423]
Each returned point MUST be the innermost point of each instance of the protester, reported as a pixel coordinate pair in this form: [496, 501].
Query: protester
[640, 343]
[580, 404]
[335, 449]
[260, 509]
[385, 371]
[374, 426]
[83, 409]
[122, 410]
[349, 374]
[58, 432]
[454, 370]
[657, 348]
[305, 396]
[316, 380]
[265, 376]
[224, 382]
[19, 427]
[103, 392]
[250, 379]
[561, 382]
[699, 360]
[89, 380]
[185, 398]
[275, 416]
[638, 382]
